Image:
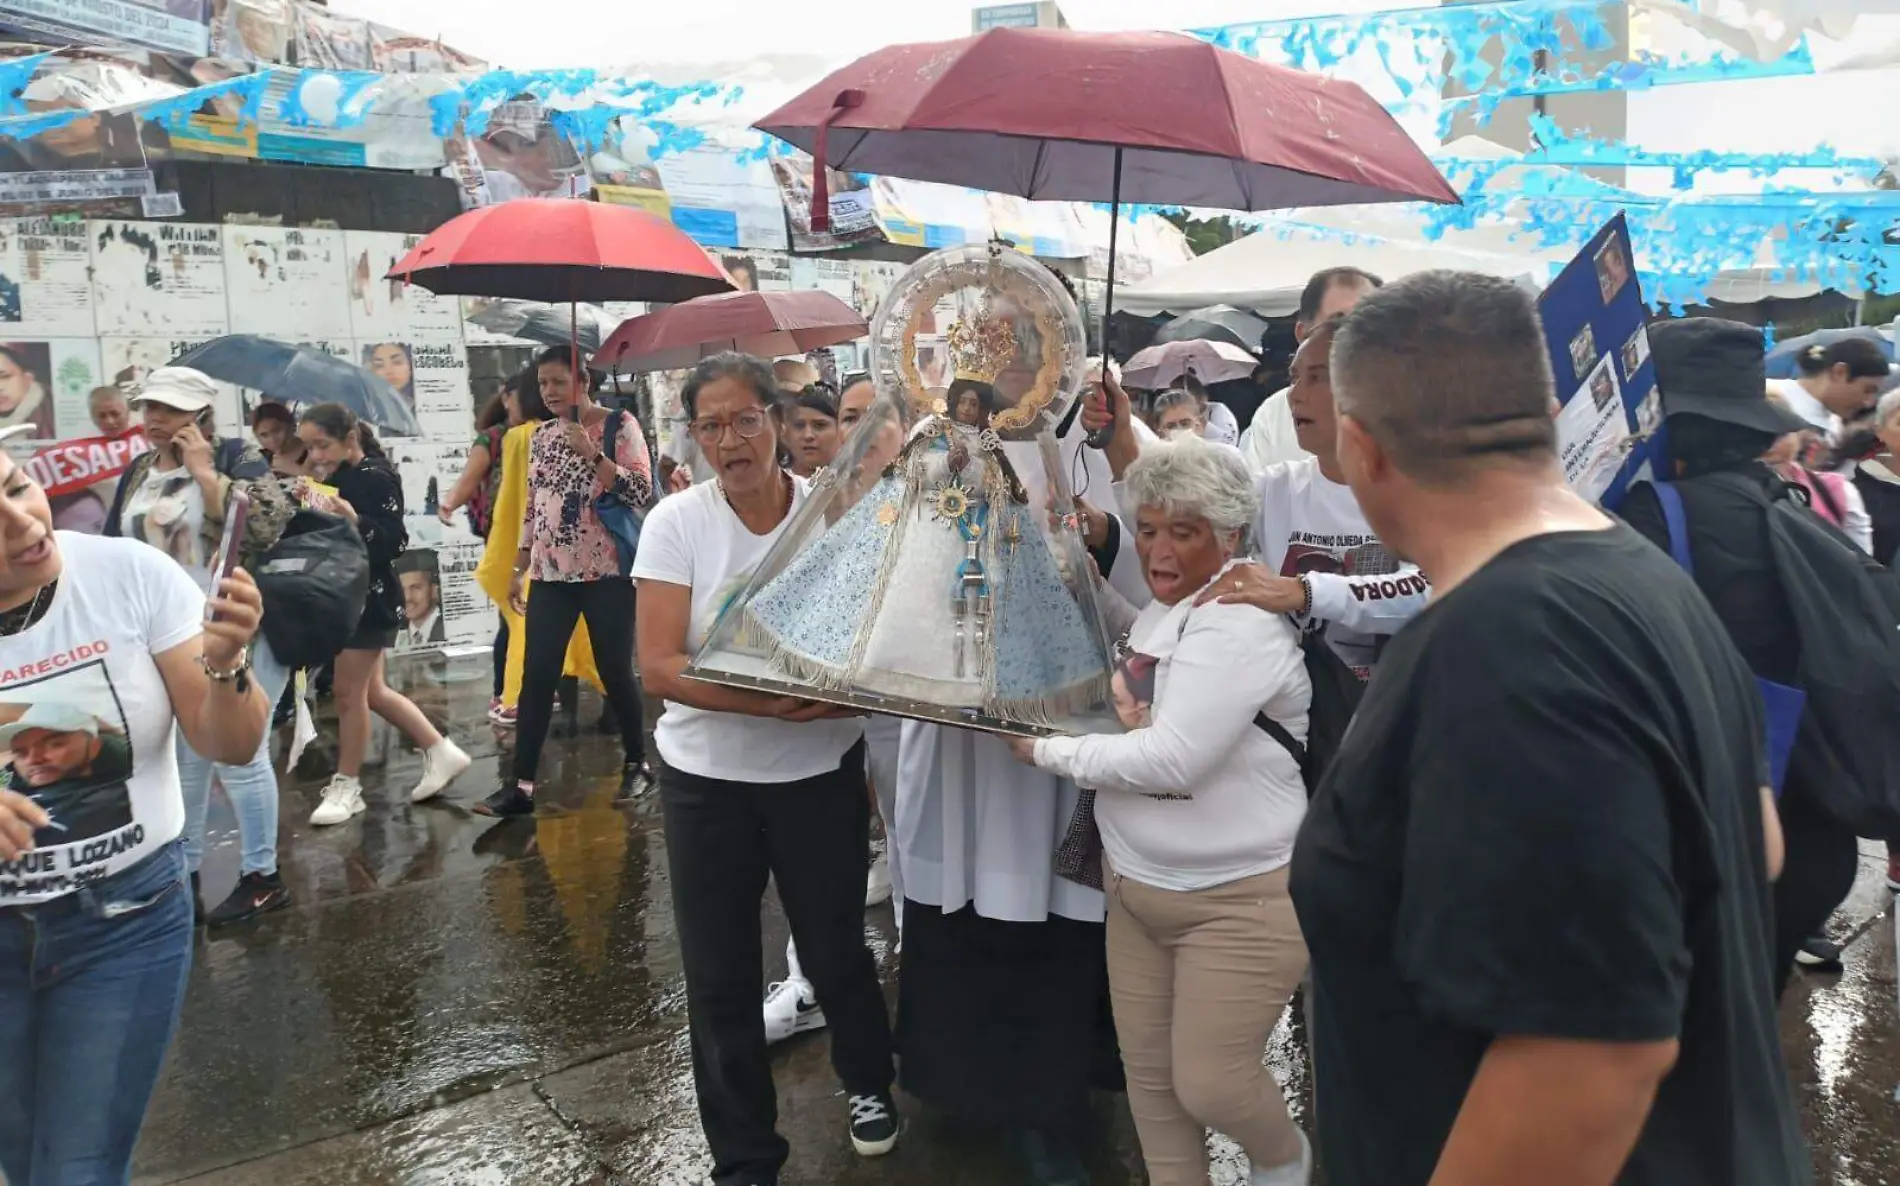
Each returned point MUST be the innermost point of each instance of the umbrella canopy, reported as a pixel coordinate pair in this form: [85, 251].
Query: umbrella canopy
[1784, 359]
[548, 325]
[766, 324]
[562, 250]
[302, 375]
[1210, 362]
[1158, 118]
[1215, 323]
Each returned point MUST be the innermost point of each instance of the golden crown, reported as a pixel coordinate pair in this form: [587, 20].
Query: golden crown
[981, 345]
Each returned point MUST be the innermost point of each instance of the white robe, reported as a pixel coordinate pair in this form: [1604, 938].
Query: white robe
[974, 825]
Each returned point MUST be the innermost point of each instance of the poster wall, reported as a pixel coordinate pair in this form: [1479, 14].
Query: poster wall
[158, 277]
[390, 310]
[286, 282]
[45, 279]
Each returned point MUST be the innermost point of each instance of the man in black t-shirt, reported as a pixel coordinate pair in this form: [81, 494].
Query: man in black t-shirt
[1535, 882]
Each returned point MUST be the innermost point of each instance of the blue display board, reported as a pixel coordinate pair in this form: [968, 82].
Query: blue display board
[1596, 327]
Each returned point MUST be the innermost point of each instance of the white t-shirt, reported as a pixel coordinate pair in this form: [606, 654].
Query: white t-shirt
[1272, 437]
[1219, 665]
[693, 539]
[85, 720]
[1806, 406]
[167, 511]
[1222, 428]
[1311, 525]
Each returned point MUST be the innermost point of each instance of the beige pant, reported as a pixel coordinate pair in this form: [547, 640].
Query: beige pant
[1199, 980]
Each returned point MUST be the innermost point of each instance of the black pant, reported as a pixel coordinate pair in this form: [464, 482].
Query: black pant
[722, 840]
[1816, 876]
[501, 657]
[553, 609]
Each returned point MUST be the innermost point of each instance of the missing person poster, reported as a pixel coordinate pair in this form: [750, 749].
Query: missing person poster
[391, 310]
[158, 279]
[1594, 327]
[124, 361]
[46, 384]
[45, 279]
[287, 283]
[432, 378]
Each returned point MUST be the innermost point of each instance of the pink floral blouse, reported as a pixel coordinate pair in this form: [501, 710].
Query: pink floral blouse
[569, 542]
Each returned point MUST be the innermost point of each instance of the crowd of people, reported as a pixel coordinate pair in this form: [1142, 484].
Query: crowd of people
[1496, 782]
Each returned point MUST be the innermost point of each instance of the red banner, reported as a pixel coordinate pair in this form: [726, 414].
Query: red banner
[72, 466]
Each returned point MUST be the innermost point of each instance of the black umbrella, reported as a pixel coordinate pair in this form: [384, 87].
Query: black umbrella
[549, 325]
[304, 375]
[1216, 323]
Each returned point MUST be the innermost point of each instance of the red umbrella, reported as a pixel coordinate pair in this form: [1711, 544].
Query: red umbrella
[562, 250]
[767, 324]
[1153, 118]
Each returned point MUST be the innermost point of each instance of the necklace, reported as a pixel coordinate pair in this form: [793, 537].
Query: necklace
[20, 617]
[719, 484]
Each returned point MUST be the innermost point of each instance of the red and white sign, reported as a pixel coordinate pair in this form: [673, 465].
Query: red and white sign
[72, 466]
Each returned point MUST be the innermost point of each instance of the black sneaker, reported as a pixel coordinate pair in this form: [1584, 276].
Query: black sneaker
[873, 1124]
[510, 802]
[1818, 954]
[256, 893]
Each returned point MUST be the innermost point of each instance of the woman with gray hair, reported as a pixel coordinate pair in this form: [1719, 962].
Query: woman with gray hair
[1878, 480]
[1198, 806]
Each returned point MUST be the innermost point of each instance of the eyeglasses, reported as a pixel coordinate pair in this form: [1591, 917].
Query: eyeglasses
[709, 430]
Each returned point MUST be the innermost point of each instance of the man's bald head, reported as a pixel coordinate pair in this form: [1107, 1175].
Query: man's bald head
[1447, 371]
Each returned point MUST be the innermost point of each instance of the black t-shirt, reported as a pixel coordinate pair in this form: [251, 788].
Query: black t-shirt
[1545, 821]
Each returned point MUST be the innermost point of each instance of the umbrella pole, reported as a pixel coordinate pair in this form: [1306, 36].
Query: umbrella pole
[1100, 438]
[574, 355]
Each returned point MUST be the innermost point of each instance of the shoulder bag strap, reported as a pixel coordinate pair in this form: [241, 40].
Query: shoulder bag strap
[1677, 520]
[1262, 721]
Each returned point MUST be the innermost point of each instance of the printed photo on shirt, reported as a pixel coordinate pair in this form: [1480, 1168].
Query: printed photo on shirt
[1613, 268]
[1583, 352]
[419, 573]
[1351, 556]
[65, 745]
[1635, 352]
[1133, 688]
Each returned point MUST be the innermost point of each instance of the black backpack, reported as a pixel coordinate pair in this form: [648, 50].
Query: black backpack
[313, 582]
[1337, 691]
[1846, 611]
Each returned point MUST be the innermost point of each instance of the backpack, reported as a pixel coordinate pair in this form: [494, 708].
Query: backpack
[314, 582]
[1842, 724]
[1337, 691]
[621, 521]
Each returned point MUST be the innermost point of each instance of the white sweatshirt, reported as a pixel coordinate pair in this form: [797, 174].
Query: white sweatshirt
[1218, 666]
[1313, 526]
[1271, 438]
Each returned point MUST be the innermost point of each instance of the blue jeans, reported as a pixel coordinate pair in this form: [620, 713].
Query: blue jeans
[90, 987]
[252, 787]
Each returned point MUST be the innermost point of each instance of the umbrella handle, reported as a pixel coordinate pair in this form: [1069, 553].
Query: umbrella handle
[820, 169]
[1103, 436]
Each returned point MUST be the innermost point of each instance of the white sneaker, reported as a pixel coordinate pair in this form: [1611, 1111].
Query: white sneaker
[877, 885]
[342, 799]
[791, 1007]
[1293, 1173]
[442, 764]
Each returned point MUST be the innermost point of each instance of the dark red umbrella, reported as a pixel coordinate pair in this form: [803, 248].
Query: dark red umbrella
[1152, 118]
[766, 324]
[562, 250]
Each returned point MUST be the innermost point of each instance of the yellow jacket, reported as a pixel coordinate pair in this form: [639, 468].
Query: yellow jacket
[498, 567]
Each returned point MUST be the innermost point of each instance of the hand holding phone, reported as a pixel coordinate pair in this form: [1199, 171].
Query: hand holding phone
[237, 509]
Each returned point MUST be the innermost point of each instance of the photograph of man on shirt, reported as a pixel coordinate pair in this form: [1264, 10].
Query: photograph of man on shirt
[66, 747]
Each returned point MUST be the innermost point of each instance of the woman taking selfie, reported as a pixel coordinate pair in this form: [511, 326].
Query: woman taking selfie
[343, 453]
[95, 920]
[175, 497]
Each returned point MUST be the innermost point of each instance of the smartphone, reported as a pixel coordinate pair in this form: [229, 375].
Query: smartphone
[237, 509]
[202, 421]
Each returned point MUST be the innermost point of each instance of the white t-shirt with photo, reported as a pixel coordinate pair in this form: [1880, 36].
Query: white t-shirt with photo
[85, 720]
[693, 538]
[1310, 525]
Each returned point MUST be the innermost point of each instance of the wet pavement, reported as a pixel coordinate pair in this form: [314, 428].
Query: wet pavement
[452, 1000]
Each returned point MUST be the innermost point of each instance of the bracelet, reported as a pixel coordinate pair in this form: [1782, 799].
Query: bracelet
[1306, 602]
[241, 674]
